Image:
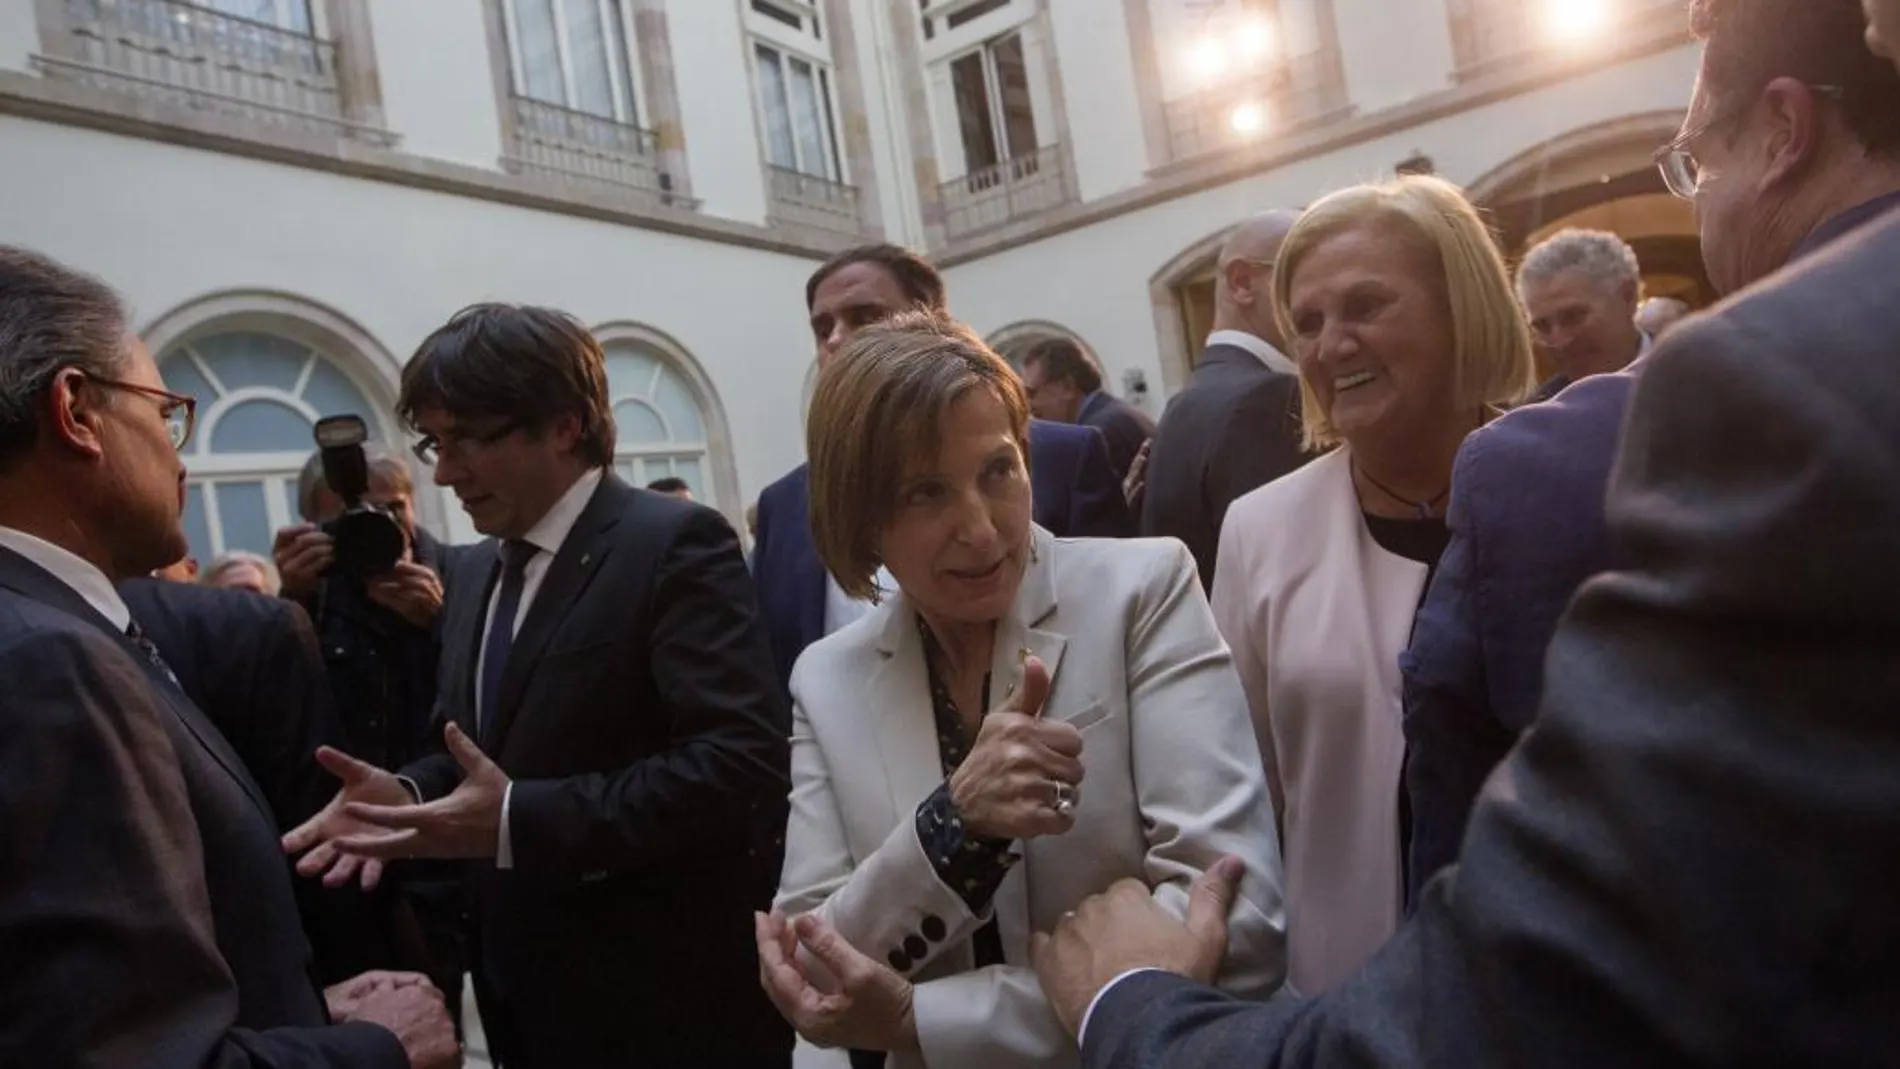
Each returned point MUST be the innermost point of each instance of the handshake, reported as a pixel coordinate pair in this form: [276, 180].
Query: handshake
[409, 1006]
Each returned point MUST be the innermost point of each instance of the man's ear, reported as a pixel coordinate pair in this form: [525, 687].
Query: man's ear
[1794, 135]
[73, 404]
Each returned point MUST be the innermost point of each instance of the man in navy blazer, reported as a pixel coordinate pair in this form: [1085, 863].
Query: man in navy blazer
[1076, 490]
[1528, 490]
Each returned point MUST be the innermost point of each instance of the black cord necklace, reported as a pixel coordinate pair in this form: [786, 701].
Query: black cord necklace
[1423, 508]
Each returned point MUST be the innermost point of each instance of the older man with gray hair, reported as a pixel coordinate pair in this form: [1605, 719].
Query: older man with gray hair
[1580, 289]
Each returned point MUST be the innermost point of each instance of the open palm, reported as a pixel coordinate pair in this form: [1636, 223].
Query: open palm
[315, 839]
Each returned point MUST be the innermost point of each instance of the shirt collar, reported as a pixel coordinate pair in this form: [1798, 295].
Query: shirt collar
[1267, 354]
[75, 571]
[1846, 223]
[559, 520]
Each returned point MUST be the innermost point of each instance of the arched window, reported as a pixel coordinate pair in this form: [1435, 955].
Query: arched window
[259, 396]
[661, 427]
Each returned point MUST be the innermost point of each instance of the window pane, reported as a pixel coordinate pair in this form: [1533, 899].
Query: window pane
[623, 64]
[780, 149]
[638, 424]
[675, 399]
[262, 427]
[181, 376]
[831, 125]
[629, 371]
[196, 533]
[688, 468]
[587, 52]
[331, 393]
[242, 517]
[240, 360]
[779, 14]
[292, 507]
[973, 113]
[540, 75]
[974, 12]
[1012, 79]
[814, 155]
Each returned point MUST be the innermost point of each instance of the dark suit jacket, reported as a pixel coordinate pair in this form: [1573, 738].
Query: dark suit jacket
[1526, 522]
[1691, 860]
[1077, 495]
[647, 742]
[1124, 427]
[146, 916]
[252, 665]
[1235, 428]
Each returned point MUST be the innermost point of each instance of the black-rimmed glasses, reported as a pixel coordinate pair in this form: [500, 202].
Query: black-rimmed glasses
[429, 449]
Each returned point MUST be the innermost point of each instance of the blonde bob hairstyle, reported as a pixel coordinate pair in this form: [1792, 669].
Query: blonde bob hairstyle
[877, 415]
[1491, 345]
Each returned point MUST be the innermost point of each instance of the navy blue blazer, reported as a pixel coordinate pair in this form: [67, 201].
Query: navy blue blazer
[1527, 528]
[1077, 495]
[1124, 427]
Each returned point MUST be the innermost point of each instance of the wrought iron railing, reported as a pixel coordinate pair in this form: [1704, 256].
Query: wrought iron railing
[813, 201]
[1304, 90]
[1487, 31]
[1013, 189]
[578, 146]
[204, 58]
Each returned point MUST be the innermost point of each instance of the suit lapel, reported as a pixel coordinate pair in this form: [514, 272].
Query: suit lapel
[911, 762]
[462, 639]
[35, 582]
[579, 560]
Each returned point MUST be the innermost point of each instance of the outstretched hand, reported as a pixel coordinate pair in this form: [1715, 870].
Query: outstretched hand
[465, 823]
[316, 839]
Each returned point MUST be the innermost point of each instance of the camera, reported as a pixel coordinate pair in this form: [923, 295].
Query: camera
[369, 540]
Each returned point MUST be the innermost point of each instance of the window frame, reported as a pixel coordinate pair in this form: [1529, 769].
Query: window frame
[624, 67]
[826, 81]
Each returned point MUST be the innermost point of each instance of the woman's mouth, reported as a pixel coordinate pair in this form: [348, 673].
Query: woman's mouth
[976, 575]
[1353, 381]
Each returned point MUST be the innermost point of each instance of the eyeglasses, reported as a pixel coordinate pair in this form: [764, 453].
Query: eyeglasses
[1681, 172]
[179, 411]
[430, 448]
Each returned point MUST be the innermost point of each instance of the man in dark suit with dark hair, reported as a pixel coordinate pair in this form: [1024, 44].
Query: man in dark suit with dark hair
[1065, 386]
[1691, 860]
[1077, 492]
[146, 918]
[628, 821]
[1527, 501]
[1236, 427]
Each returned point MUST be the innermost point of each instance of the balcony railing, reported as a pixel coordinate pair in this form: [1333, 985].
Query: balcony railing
[205, 59]
[589, 150]
[1299, 92]
[808, 200]
[1014, 189]
[1487, 31]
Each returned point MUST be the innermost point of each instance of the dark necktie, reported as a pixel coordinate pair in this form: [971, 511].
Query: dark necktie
[149, 648]
[501, 626]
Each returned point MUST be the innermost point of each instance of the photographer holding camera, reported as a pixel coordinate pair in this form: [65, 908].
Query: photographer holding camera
[372, 582]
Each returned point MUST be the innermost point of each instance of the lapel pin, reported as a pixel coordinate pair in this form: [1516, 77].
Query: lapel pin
[585, 557]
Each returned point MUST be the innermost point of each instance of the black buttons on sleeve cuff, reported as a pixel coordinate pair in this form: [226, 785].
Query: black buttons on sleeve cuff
[933, 929]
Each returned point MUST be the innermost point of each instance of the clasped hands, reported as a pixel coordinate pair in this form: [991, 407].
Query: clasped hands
[406, 1004]
[373, 818]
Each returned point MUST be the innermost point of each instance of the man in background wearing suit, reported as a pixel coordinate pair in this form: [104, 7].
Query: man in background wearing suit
[1077, 493]
[1527, 500]
[1580, 289]
[146, 918]
[628, 821]
[1236, 427]
[1065, 386]
[1691, 860]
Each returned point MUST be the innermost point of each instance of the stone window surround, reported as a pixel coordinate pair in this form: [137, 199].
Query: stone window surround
[913, 57]
[855, 147]
[343, 22]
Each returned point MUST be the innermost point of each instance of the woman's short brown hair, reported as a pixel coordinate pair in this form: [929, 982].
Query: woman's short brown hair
[876, 414]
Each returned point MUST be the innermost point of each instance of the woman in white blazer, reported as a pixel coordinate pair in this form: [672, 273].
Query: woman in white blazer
[927, 840]
[1401, 318]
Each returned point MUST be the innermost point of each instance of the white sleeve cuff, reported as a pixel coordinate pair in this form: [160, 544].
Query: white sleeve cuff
[505, 849]
[1082, 1033]
[410, 785]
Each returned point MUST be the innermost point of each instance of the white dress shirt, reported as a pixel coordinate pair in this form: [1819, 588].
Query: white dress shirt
[75, 571]
[546, 536]
[1267, 354]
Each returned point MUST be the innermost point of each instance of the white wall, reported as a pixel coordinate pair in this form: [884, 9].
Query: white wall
[1095, 280]
[716, 107]
[399, 261]
[1098, 84]
[1394, 50]
[438, 84]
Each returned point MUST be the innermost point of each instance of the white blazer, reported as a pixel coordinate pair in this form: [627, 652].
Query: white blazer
[1172, 784]
[1317, 614]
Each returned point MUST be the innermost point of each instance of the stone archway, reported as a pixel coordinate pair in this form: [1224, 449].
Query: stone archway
[1182, 293]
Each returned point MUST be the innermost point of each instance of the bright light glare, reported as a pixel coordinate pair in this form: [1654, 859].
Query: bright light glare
[1248, 119]
[1207, 59]
[1254, 38]
[1575, 20]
